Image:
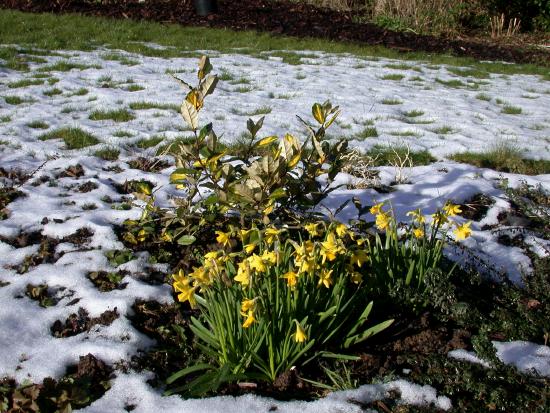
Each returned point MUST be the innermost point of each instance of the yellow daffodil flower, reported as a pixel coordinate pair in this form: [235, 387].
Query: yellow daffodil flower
[417, 216]
[383, 221]
[358, 258]
[247, 305]
[418, 232]
[249, 319]
[376, 209]
[142, 235]
[249, 248]
[183, 286]
[271, 235]
[331, 248]
[341, 230]
[291, 279]
[451, 210]
[243, 273]
[312, 229]
[256, 263]
[269, 257]
[223, 238]
[463, 231]
[439, 218]
[300, 336]
[325, 278]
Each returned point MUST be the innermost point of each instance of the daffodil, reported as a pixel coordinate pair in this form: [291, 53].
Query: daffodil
[356, 277]
[383, 221]
[271, 235]
[183, 286]
[325, 278]
[330, 248]
[418, 232]
[247, 305]
[223, 238]
[249, 319]
[463, 231]
[243, 273]
[291, 279]
[256, 263]
[417, 216]
[142, 235]
[312, 229]
[249, 248]
[451, 210]
[269, 257]
[358, 258]
[439, 218]
[341, 230]
[300, 336]
[202, 275]
[376, 209]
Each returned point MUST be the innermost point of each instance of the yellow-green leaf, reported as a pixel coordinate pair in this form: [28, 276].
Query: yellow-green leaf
[190, 114]
[318, 113]
[266, 141]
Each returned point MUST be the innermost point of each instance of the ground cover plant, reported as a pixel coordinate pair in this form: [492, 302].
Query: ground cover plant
[192, 233]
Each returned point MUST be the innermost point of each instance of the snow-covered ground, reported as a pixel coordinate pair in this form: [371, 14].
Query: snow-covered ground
[453, 119]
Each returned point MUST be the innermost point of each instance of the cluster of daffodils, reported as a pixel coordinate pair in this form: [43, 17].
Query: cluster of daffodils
[269, 256]
[384, 219]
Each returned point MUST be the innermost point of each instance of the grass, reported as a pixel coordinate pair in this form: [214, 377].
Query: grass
[388, 155]
[241, 81]
[38, 124]
[5, 119]
[74, 138]
[453, 83]
[134, 88]
[108, 154]
[55, 32]
[511, 110]
[262, 110]
[243, 89]
[123, 60]
[469, 72]
[443, 130]
[53, 92]
[16, 100]
[368, 132]
[504, 158]
[122, 134]
[154, 105]
[483, 96]
[413, 113]
[80, 92]
[65, 66]
[117, 115]
[391, 102]
[402, 66]
[25, 83]
[150, 142]
[406, 133]
[393, 76]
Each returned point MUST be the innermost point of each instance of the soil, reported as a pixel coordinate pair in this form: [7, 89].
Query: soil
[292, 19]
[79, 322]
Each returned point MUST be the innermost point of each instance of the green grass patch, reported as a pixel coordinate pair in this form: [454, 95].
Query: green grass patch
[406, 133]
[150, 142]
[469, 72]
[413, 113]
[241, 81]
[154, 105]
[134, 88]
[108, 154]
[415, 79]
[453, 83]
[393, 76]
[483, 96]
[16, 100]
[400, 66]
[511, 110]
[5, 119]
[123, 60]
[365, 133]
[38, 124]
[80, 92]
[443, 130]
[243, 89]
[56, 32]
[25, 83]
[52, 92]
[74, 138]
[262, 110]
[504, 158]
[117, 115]
[122, 134]
[389, 155]
[391, 102]
[66, 66]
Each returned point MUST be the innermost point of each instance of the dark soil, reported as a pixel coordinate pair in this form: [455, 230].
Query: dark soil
[73, 171]
[80, 322]
[476, 207]
[148, 165]
[79, 387]
[292, 19]
[47, 296]
[108, 281]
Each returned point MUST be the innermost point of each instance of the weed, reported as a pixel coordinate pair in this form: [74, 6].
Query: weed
[80, 92]
[65, 66]
[406, 133]
[74, 138]
[153, 105]
[391, 102]
[16, 100]
[454, 83]
[262, 110]
[117, 115]
[387, 155]
[470, 72]
[150, 142]
[443, 130]
[413, 113]
[368, 132]
[134, 88]
[483, 96]
[122, 134]
[123, 60]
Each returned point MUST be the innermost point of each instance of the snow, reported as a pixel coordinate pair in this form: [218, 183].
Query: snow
[28, 349]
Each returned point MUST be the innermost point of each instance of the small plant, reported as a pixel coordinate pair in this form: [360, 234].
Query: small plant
[108, 154]
[391, 102]
[117, 115]
[511, 110]
[38, 124]
[52, 92]
[368, 132]
[25, 83]
[393, 76]
[74, 138]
